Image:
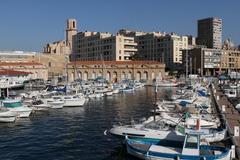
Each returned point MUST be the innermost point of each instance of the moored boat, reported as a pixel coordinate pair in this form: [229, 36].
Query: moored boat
[7, 116]
[16, 106]
[190, 148]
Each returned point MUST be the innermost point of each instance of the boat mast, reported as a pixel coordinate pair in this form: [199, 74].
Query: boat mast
[155, 104]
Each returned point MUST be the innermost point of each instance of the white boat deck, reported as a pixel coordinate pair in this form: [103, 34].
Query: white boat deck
[162, 149]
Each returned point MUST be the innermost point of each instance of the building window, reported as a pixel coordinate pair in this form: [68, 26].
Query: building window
[74, 24]
[120, 57]
[49, 64]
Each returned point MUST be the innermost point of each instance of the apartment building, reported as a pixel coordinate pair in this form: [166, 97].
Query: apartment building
[208, 61]
[91, 46]
[230, 60]
[166, 48]
[210, 32]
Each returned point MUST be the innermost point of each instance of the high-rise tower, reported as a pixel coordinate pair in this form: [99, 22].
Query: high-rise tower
[210, 32]
[70, 31]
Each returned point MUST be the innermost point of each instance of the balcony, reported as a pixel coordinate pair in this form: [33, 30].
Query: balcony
[130, 49]
[130, 43]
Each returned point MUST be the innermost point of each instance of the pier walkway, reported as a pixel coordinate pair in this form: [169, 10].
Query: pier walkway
[229, 114]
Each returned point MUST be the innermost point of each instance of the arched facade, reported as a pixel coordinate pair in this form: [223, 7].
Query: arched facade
[117, 71]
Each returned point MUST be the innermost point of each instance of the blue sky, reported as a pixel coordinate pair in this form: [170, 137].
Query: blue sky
[30, 24]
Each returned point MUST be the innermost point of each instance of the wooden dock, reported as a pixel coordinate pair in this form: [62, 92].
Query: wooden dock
[229, 114]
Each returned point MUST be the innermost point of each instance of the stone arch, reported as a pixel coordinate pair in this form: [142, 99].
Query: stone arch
[79, 75]
[94, 75]
[145, 75]
[138, 76]
[129, 76]
[100, 74]
[72, 76]
[85, 76]
[36, 74]
[160, 75]
[114, 76]
[153, 75]
[123, 75]
[108, 76]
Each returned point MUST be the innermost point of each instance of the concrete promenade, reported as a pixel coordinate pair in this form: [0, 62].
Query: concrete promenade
[229, 114]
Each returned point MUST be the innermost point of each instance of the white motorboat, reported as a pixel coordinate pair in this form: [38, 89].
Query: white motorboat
[160, 130]
[116, 91]
[238, 107]
[55, 102]
[138, 85]
[100, 91]
[230, 93]
[16, 106]
[187, 98]
[166, 83]
[149, 129]
[71, 100]
[128, 89]
[109, 93]
[7, 116]
[40, 105]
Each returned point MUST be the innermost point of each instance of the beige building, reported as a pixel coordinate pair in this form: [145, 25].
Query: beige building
[166, 48]
[208, 61]
[90, 46]
[116, 70]
[57, 48]
[63, 47]
[56, 64]
[230, 60]
[37, 70]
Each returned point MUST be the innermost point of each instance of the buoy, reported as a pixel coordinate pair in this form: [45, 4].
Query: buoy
[105, 132]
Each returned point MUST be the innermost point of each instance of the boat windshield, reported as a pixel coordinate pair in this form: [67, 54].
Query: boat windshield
[56, 98]
[191, 141]
[155, 125]
[12, 105]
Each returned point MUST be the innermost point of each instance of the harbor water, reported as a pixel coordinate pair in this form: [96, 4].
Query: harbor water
[77, 133]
